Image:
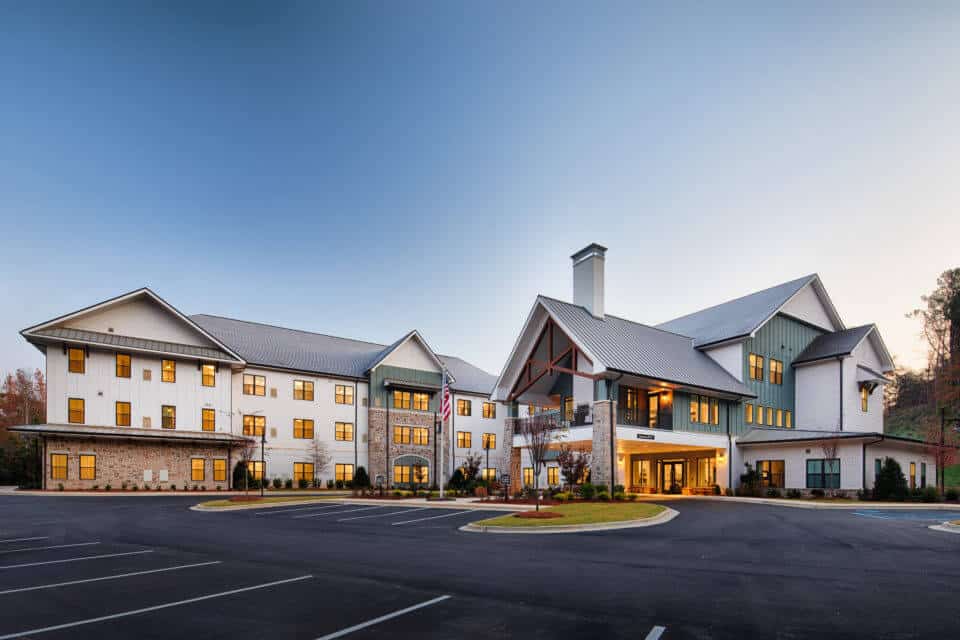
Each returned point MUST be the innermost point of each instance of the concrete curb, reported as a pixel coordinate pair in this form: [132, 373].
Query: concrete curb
[947, 527]
[412, 502]
[801, 503]
[663, 517]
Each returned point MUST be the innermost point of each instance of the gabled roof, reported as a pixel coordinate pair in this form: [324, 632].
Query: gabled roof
[41, 331]
[764, 435]
[82, 336]
[292, 349]
[741, 317]
[623, 345]
[842, 343]
[410, 335]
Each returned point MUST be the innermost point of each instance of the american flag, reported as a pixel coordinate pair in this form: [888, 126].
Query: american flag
[445, 402]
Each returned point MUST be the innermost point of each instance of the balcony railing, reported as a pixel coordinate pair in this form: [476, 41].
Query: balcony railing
[581, 416]
[641, 418]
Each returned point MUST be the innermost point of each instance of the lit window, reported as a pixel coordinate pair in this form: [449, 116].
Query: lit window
[123, 365]
[123, 414]
[704, 409]
[489, 473]
[208, 419]
[256, 469]
[421, 435]
[208, 375]
[343, 394]
[779, 417]
[913, 475]
[302, 390]
[464, 439]
[770, 416]
[76, 361]
[864, 399]
[88, 467]
[714, 411]
[254, 425]
[254, 385]
[219, 470]
[168, 370]
[344, 431]
[197, 469]
[401, 474]
[76, 410]
[421, 401]
[553, 476]
[401, 435]
[756, 367]
[303, 428]
[653, 410]
[776, 371]
[58, 466]
[464, 407]
[528, 476]
[567, 407]
[489, 441]
[694, 409]
[168, 417]
[343, 472]
[789, 416]
[748, 413]
[420, 473]
[401, 399]
[490, 409]
[302, 471]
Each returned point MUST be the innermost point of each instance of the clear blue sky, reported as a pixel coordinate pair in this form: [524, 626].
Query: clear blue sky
[362, 169]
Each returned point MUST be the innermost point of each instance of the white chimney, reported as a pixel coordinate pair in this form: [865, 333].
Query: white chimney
[588, 278]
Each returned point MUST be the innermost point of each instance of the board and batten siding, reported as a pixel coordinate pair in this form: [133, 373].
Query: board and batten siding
[380, 395]
[782, 338]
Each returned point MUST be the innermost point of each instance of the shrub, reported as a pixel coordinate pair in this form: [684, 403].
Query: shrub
[135, 488]
[716, 489]
[186, 487]
[302, 483]
[587, 491]
[330, 484]
[60, 486]
[953, 495]
[603, 496]
[107, 487]
[890, 483]
[930, 494]
[398, 494]
[277, 483]
[773, 492]
[95, 487]
[123, 485]
[632, 497]
[219, 488]
[619, 488]
[817, 493]
[561, 497]
[620, 496]
[794, 493]
[728, 492]
[288, 483]
[361, 480]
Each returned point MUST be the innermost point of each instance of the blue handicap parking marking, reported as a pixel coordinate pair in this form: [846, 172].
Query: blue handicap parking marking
[896, 514]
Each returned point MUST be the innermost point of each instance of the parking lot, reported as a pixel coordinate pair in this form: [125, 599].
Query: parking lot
[148, 567]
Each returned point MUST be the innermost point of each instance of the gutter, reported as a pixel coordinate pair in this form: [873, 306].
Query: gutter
[729, 451]
[840, 362]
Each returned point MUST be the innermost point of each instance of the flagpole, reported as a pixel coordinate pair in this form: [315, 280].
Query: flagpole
[443, 390]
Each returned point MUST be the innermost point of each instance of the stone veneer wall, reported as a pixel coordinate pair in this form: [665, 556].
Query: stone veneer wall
[120, 461]
[510, 460]
[600, 462]
[379, 432]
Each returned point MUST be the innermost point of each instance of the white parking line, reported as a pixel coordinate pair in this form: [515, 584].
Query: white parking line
[114, 577]
[871, 515]
[370, 623]
[106, 555]
[55, 546]
[446, 515]
[157, 607]
[317, 515]
[26, 539]
[383, 515]
[656, 632]
[315, 508]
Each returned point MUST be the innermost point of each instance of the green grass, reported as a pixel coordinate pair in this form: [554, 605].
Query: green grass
[909, 422]
[227, 503]
[582, 513]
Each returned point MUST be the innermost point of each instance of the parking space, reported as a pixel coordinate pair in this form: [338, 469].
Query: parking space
[372, 516]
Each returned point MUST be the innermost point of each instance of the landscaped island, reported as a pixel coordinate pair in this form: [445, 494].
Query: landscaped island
[578, 513]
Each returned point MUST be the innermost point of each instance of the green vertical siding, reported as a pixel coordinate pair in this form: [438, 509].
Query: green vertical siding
[681, 415]
[379, 395]
[782, 338]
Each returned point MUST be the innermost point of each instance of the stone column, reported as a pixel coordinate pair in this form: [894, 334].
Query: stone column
[602, 466]
[377, 444]
[510, 455]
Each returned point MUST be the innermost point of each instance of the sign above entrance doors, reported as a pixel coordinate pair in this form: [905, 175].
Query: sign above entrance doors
[646, 436]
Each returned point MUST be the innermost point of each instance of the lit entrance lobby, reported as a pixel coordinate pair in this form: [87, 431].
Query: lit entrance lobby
[668, 468]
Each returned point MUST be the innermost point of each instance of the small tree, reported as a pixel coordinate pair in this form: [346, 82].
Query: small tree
[573, 464]
[320, 457]
[246, 449]
[360, 479]
[830, 448]
[471, 468]
[890, 482]
[457, 481]
[940, 443]
[538, 432]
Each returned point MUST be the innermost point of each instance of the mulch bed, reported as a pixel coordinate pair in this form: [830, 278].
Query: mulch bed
[538, 515]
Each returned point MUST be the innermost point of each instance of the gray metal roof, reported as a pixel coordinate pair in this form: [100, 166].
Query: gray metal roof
[129, 432]
[126, 342]
[282, 348]
[763, 435]
[830, 345]
[735, 318]
[645, 351]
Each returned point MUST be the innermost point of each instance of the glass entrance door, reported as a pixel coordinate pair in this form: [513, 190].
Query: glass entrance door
[672, 480]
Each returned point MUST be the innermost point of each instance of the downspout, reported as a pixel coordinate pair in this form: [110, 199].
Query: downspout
[840, 362]
[864, 460]
[729, 452]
